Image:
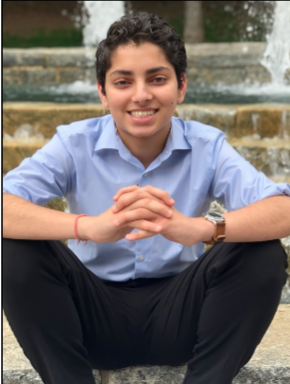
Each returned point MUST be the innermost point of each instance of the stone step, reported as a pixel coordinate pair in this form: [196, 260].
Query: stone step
[265, 120]
[269, 156]
[269, 365]
[232, 63]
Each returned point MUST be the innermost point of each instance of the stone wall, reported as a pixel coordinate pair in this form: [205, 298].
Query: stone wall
[229, 63]
[244, 126]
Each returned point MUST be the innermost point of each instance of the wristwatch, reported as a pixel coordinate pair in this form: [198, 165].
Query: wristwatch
[219, 221]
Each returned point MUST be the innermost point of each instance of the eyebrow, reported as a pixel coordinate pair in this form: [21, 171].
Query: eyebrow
[130, 73]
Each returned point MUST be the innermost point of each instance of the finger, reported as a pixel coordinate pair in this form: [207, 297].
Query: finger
[127, 217]
[138, 193]
[145, 225]
[134, 236]
[146, 207]
[160, 194]
[131, 197]
[121, 191]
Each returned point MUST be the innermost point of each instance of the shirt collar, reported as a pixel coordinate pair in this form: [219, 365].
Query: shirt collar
[176, 139]
[109, 138]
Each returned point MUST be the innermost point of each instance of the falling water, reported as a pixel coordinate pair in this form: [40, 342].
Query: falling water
[277, 55]
[97, 18]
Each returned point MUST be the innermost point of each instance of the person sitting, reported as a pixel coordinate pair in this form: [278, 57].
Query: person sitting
[135, 285]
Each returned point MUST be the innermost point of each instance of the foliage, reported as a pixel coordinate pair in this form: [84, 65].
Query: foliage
[178, 25]
[57, 38]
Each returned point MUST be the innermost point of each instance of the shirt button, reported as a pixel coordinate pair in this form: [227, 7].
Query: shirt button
[145, 174]
[141, 258]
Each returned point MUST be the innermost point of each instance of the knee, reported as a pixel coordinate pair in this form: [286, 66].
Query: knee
[20, 264]
[266, 263]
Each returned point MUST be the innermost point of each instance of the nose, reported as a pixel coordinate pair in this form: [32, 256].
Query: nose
[141, 93]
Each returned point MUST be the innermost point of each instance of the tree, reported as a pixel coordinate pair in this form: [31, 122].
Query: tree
[194, 25]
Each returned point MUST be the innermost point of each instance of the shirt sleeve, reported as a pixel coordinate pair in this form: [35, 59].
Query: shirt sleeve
[237, 183]
[44, 176]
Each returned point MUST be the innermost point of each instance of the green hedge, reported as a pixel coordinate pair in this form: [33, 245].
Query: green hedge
[58, 38]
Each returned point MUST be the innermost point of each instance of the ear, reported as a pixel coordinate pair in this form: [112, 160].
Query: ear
[102, 96]
[182, 90]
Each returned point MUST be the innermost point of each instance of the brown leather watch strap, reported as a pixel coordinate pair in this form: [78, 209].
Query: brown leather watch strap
[219, 235]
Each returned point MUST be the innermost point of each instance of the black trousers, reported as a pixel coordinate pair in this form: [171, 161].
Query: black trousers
[211, 316]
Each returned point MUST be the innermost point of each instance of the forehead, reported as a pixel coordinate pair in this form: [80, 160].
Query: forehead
[136, 57]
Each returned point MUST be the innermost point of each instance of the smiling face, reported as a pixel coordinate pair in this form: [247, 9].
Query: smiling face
[141, 92]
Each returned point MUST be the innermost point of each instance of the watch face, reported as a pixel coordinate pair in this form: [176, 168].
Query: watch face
[215, 215]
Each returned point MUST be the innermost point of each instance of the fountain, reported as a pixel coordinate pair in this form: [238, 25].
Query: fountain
[277, 55]
[228, 74]
[97, 16]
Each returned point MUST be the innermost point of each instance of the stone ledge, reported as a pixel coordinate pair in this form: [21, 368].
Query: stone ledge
[207, 63]
[271, 157]
[269, 365]
[267, 120]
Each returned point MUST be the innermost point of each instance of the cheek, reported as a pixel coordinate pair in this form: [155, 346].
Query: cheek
[168, 96]
[115, 104]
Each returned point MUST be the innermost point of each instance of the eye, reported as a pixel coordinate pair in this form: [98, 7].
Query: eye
[121, 83]
[159, 79]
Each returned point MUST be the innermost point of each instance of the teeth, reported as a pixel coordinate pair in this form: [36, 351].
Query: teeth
[142, 114]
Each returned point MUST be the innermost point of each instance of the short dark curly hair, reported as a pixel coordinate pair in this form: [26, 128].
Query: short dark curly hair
[139, 28]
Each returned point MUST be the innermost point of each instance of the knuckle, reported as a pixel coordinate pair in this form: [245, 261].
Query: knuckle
[139, 192]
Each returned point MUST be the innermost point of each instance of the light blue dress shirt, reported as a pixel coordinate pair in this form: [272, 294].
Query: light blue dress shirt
[87, 163]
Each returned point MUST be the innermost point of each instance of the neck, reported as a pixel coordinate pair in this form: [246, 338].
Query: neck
[145, 149]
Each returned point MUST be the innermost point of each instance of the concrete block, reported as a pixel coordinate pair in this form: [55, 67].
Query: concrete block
[257, 74]
[264, 120]
[90, 75]
[38, 76]
[70, 75]
[229, 62]
[147, 374]
[11, 77]
[45, 117]
[30, 58]
[13, 153]
[227, 49]
[270, 160]
[198, 75]
[215, 115]
[10, 58]
[228, 75]
[63, 59]
[225, 61]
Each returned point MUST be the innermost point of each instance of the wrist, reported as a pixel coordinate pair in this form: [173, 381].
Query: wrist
[207, 229]
[219, 222]
[80, 225]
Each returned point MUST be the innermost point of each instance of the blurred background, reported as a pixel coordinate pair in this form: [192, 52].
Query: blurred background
[58, 23]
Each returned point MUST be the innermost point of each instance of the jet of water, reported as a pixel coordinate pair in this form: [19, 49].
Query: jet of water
[277, 55]
[97, 18]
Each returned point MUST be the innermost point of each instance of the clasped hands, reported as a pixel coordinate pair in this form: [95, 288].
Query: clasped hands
[148, 209]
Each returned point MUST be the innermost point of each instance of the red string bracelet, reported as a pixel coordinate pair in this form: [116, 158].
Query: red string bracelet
[76, 229]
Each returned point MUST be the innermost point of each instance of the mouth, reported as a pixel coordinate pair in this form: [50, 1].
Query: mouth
[143, 114]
